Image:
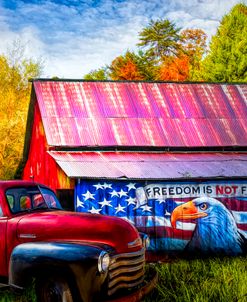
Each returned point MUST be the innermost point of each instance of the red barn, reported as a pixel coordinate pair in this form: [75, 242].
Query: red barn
[149, 144]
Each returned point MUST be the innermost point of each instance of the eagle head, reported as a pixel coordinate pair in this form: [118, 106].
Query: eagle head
[189, 211]
[200, 208]
[215, 230]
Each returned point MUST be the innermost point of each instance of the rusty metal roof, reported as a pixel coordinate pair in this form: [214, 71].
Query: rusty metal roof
[151, 165]
[78, 113]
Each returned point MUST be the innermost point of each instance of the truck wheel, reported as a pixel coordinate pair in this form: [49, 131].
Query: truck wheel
[53, 289]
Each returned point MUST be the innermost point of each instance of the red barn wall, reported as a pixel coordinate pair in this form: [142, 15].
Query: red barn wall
[40, 166]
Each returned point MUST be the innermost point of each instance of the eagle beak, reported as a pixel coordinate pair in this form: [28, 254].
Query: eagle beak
[186, 211]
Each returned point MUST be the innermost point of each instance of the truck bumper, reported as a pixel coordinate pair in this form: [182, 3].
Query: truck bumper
[137, 295]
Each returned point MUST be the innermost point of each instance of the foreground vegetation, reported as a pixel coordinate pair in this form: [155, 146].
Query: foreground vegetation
[9, 296]
[222, 280]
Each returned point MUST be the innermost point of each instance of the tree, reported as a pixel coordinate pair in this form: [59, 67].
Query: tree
[146, 66]
[98, 74]
[14, 99]
[226, 60]
[193, 43]
[125, 67]
[167, 54]
[27, 68]
[164, 53]
[161, 39]
[174, 69]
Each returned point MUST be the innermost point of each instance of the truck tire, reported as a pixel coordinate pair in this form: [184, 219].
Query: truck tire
[53, 289]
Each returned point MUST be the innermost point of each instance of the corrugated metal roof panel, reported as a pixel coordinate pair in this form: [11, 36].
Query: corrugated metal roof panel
[142, 114]
[146, 165]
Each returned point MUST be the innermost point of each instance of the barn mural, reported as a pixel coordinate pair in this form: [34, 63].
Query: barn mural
[208, 217]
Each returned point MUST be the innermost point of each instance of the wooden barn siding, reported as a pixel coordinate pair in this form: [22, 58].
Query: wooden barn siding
[40, 166]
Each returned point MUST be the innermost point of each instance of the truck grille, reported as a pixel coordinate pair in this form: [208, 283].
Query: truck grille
[126, 270]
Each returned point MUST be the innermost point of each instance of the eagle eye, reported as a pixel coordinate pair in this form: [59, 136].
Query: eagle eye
[203, 206]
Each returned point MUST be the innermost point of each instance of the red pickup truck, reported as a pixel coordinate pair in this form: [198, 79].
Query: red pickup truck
[72, 256]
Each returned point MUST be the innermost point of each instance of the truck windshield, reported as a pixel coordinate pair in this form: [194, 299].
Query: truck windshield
[31, 198]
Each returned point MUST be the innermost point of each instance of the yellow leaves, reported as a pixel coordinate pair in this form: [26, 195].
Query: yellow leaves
[14, 99]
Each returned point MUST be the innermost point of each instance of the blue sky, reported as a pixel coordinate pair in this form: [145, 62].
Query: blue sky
[73, 37]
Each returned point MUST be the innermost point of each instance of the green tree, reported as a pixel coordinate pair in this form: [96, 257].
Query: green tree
[160, 39]
[227, 57]
[100, 74]
[146, 66]
[14, 99]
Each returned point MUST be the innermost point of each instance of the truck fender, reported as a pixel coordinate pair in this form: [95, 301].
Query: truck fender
[78, 262]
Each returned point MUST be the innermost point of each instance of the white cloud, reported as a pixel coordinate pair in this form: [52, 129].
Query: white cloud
[74, 37]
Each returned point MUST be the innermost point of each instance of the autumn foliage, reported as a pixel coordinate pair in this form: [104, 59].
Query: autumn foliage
[125, 68]
[14, 99]
[167, 54]
[174, 69]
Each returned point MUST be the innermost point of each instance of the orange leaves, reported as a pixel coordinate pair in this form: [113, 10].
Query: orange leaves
[167, 54]
[181, 66]
[125, 68]
[193, 41]
[174, 69]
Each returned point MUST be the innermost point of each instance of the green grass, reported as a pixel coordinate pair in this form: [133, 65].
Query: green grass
[216, 280]
[10, 297]
[208, 280]
[27, 296]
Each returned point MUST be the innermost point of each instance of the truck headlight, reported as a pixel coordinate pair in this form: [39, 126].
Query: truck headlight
[103, 262]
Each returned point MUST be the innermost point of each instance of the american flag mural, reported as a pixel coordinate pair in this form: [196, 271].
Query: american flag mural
[183, 216]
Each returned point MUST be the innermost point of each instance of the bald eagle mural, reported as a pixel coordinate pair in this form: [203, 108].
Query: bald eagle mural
[216, 230]
[180, 217]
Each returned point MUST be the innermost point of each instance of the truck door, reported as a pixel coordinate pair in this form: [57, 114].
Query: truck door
[3, 263]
